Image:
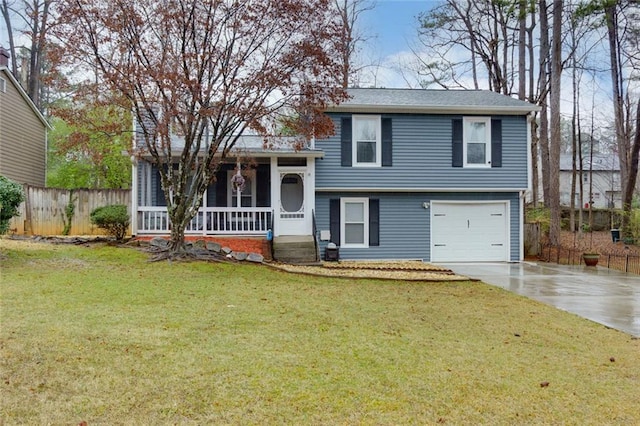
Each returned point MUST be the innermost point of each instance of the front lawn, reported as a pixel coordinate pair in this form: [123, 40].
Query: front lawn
[98, 334]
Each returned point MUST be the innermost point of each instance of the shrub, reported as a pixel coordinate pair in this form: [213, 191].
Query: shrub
[11, 195]
[540, 215]
[634, 226]
[113, 218]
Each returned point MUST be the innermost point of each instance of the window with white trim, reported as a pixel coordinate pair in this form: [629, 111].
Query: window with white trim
[3, 85]
[354, 222]
[477, 142]
[366, 140]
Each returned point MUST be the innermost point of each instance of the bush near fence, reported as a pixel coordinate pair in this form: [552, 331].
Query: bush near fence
[44, 210]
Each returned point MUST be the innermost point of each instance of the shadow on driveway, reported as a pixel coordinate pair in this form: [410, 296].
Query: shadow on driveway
[606, 296]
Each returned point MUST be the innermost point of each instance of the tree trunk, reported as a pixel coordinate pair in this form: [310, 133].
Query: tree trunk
[633, 174]
[622, 138]
[6, 14]
[543, 95]
[522, 34]
[554, 145]
[535, 191]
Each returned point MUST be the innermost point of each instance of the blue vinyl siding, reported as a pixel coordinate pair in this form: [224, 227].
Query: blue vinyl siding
[405, 224]
[422, 156]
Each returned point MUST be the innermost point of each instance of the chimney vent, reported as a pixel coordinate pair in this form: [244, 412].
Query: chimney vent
[4, 57]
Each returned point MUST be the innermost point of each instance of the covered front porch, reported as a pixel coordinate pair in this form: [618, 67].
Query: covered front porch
[278, 196]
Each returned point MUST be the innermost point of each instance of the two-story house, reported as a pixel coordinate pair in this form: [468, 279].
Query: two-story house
[425, 174]
[409, 174]
[23, 131]
[600, 181]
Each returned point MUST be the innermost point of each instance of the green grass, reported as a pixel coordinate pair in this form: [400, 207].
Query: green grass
[99, 334]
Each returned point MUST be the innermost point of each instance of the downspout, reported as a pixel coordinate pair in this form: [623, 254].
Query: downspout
[521, 230]
[523, 216]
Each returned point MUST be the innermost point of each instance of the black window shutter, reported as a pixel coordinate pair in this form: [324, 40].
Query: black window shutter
[345, 142]
[387, 143]
[374, 222]
[456, 142]
[496, 143]
[334, 220]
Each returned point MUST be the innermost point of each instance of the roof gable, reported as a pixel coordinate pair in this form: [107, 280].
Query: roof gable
[5, 73]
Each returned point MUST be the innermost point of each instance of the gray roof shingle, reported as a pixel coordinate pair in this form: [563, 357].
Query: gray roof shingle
[433, 101]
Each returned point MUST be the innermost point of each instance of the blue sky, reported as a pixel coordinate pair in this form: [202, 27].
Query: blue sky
[392, 28]
[394, 23]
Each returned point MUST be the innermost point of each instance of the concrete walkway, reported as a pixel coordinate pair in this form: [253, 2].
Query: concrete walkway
[606, 296]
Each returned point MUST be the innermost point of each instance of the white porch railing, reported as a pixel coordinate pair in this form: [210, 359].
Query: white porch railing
[209, 221]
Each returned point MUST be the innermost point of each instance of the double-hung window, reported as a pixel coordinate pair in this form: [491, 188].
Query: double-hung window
[366, 140]
[355, 222]
[477, 142]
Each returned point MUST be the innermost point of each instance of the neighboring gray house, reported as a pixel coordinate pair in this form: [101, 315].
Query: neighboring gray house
[23, 132]
[409, 174]
[602, 179]
[425, 174]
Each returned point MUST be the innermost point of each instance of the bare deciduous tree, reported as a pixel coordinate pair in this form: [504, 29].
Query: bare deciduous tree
[351, 38]
[207, 70]
[34, 19]
[554, 107]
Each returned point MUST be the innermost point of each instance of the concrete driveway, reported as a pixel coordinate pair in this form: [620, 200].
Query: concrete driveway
[603, 295]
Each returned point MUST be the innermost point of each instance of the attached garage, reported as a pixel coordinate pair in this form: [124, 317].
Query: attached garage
[469, 231]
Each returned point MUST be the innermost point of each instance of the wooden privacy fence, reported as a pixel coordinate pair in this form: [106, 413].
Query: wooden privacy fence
[44, 211]
[532, 237]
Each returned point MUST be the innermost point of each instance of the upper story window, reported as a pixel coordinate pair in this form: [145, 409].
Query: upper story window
[3, 85]
[477, 142]
[366, 140]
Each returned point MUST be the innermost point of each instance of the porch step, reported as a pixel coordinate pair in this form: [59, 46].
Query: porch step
[294, 249]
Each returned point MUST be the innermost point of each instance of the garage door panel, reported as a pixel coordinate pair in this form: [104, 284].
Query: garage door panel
[469, 232]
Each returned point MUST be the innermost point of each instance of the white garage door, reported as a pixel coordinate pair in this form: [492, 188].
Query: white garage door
[469, 232]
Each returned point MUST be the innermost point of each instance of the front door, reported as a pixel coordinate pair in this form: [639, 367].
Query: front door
[292, 211]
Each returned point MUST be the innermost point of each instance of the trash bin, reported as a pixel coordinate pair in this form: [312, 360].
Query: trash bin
[331, 253]
[615, 235]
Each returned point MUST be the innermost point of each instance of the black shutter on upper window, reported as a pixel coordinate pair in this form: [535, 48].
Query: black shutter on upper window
[334, 220]
[496, 143]
[387, 143]
[456, 142]
[345, 142]
[374, 222]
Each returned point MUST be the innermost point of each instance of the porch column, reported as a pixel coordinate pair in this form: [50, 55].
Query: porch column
[134, 197]
[310, 192]
[275, 195]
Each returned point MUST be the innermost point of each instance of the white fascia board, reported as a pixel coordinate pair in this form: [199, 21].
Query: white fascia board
[403, 190]
[260, 154]
[412, 109]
